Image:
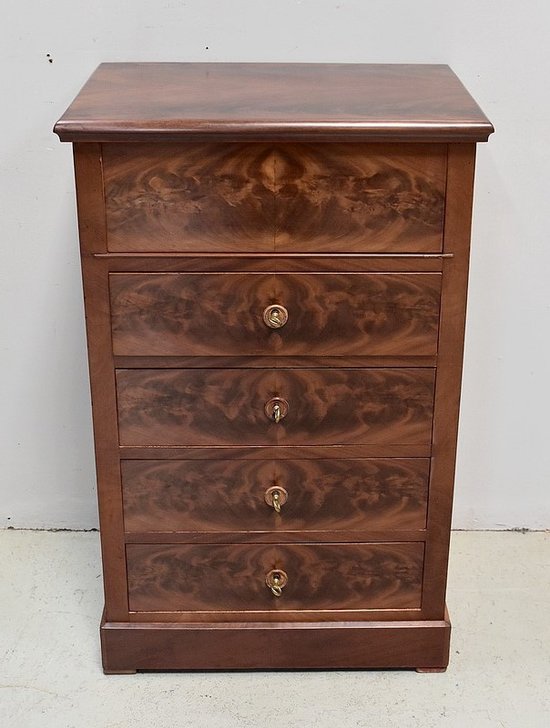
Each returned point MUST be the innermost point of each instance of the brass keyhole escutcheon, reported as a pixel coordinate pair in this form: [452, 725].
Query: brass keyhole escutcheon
[276, 409]
[276, 496]
[276, 580]
[275, 316]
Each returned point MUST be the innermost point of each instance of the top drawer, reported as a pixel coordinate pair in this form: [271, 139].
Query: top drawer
[274, 198]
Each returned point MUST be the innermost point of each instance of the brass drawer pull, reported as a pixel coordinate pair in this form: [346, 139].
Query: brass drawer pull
[275, 316]
[276, 496]
[276, 580]
[276, 409]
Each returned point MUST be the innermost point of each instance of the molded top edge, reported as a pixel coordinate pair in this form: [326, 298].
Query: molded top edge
[273, 101]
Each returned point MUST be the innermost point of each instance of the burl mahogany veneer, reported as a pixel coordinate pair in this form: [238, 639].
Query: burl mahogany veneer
[275, 263]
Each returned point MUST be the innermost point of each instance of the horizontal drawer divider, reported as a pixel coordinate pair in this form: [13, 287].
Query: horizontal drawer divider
[325, 617]
[268, 264]
[275, 451]
[279, 362]
[257, 537]
[244, 254]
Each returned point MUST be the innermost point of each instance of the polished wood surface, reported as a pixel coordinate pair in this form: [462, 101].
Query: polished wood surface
[359, 197]
[274, 361]
[274, 452]
[206, 193]
[215, 197]
[260, 101]
[249, 645]
[91, 216]
[230, 496]
[280, 263]
[232, 577]
[274, 198]
[173, 314]
[449, 373]
[226, 407]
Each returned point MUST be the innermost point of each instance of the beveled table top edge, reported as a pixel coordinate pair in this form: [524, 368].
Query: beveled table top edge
[273, 102]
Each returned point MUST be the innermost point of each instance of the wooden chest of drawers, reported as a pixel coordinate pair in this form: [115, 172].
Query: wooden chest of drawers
[275, 263]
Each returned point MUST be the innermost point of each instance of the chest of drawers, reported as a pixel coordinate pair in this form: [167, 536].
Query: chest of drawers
[275, 263]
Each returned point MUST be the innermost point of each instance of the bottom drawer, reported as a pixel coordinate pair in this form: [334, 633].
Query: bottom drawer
[221, 577]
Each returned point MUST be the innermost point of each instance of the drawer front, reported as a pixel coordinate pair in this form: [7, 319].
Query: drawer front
[274, 197]
[178, 314]
[197, 407]
[189, 197]
[360, 197]
[224, 577]
[282, 495]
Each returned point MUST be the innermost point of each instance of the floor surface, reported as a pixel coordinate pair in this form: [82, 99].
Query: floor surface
[50, 674]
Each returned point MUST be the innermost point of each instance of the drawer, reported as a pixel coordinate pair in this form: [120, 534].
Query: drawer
[198, 407]
[274, 197]
[179, 314]
[243, 496]
[221, 578]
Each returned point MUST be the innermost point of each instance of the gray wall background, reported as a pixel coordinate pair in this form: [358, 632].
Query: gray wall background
[498, 48]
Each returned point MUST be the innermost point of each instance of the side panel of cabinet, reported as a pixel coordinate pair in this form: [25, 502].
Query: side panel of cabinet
[449, 374]
[92, 232]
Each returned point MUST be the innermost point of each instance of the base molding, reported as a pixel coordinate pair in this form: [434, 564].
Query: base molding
[131, 646]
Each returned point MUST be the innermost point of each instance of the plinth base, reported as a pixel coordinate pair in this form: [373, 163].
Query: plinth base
[131, 646]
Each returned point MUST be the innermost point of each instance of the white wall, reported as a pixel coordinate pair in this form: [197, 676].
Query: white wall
[500, 50]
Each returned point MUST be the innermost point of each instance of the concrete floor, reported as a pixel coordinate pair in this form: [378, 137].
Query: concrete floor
[50, 675]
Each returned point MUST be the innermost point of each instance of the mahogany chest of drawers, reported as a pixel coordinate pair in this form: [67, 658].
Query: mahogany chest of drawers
[275, 263]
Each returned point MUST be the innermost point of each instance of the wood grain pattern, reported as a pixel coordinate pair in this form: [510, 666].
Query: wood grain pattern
[176, 314]
[226, 407]
[216, 197]
[251, 645]
[274, 361]
[183, 262]
[447, 399]
[127, 646]
[102, 378]
[211, 496]
[353, 197]
[259, 101]
[232, 577]
[301, 176]
[274, 198]
[274, 452]
[384, 535]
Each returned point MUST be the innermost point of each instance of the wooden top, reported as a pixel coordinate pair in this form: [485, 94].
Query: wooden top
[273, 101]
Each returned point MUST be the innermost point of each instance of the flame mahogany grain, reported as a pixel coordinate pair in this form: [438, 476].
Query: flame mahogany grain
[227, 578]
[222, 495]
[177, 314]
[195, 407]
[274, 198]
[215, 197]
[206, 192]
[353, 197]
